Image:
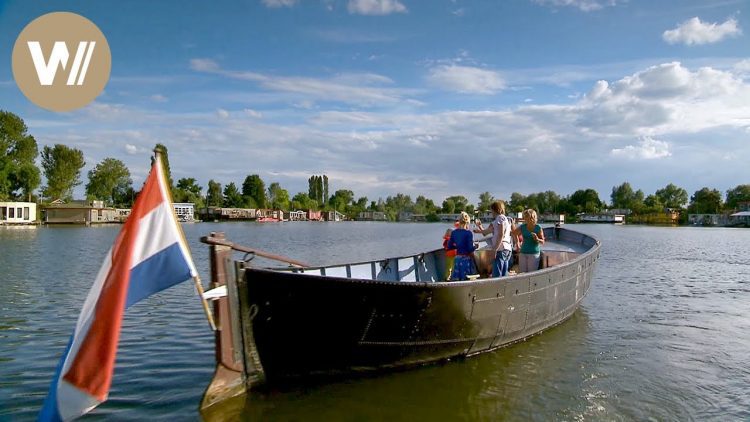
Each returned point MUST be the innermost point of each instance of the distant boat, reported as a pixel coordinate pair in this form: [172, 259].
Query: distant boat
[602, 218]
[288, 323]
[267, 220]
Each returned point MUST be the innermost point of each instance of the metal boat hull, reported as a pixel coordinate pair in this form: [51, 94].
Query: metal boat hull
[290, 325]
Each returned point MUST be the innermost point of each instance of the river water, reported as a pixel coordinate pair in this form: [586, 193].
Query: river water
[664, 333]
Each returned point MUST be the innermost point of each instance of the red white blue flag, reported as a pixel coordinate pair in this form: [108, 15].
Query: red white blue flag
[149, 255]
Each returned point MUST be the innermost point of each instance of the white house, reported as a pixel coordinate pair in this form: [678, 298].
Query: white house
[17, 213]
[185, 211]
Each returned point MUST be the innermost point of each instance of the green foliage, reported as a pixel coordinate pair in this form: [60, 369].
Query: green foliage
[586, 201]
[62, 168]
[672, 196]
[485, 200]
[741, 193]
[455, 204]
[705, 201]
[232, 197]
[302, 201]
[110, 181]
[318, 189]
[278, 197]
[19, 175]
[341, 199]
[165, 163]
[188, 190]
[254, 192]
[624, 197]
[214, 197]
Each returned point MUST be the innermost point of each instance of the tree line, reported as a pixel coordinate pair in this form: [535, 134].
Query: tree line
[111, 182]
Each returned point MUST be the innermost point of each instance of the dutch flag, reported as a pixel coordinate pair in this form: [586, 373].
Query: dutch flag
[149, 255]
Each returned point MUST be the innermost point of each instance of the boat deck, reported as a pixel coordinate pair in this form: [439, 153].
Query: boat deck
[429, 266]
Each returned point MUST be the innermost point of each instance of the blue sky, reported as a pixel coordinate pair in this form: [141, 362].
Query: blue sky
[433, 98]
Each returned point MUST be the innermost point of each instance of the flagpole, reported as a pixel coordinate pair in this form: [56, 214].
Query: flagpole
[197, 278]
[206, 309]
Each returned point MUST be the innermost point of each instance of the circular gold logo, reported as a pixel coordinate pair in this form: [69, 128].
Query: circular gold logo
[61, 61]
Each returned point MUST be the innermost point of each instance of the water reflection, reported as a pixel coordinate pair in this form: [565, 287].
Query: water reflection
[529, 380]
[662, 335]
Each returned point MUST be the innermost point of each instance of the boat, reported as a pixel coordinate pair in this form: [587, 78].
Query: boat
[267, 220]
[282, 324]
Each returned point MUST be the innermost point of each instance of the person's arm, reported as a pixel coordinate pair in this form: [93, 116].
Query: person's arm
[451, 242]
[539, 237]
[481, 230]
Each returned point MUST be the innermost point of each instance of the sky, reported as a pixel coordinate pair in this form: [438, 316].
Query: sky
[421, 97]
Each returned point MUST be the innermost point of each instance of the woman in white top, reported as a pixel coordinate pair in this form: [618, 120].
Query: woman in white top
[501, 243]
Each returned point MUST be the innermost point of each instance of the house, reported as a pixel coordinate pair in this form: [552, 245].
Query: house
[314, 215]
[334, 216]
[185, 211]
[79, 212]
[122, 214]
[371, 216]
[297, 215]
[15, 213]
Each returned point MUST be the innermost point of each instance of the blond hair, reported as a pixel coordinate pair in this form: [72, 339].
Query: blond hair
[529, 214]
[498, 207]
[464, 219]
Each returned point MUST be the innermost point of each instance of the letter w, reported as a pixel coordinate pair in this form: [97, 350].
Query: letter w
[46, 71]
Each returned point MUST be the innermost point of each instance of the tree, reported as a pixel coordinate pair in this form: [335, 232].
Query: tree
[325, 188]
[517, 202]
[586, 201]
[188, 190]
[653, 204]
[672, 196]
[485, 200]
[254, 191]
[741, 193]
[232, 196]
[705, 201]
[214, 197]
[341, 199]
[62, 167]
[278, 197]
[460, 203]
[302, 201]
[424, 206]
[165, 163]
[109, 180]
[624, 197]
[19, 175]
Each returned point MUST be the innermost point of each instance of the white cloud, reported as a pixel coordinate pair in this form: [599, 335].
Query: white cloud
[583, 5]
[647, 149]
[158, 98]
[663, 98]
[693, 31]
[465, 79]
[252, 113]
[223, 114]
[131, 149]
[279, 3]
[204, 65]
[375, 7]
[363, 89]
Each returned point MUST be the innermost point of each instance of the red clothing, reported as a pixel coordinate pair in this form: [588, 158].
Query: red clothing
[448, 252]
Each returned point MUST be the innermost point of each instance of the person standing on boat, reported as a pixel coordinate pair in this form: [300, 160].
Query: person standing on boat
[533, 239]
[501, 228]
[462, 240]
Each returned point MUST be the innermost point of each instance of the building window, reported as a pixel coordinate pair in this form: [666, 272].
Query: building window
[3, 213]
[11, 213]
[26, 213]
